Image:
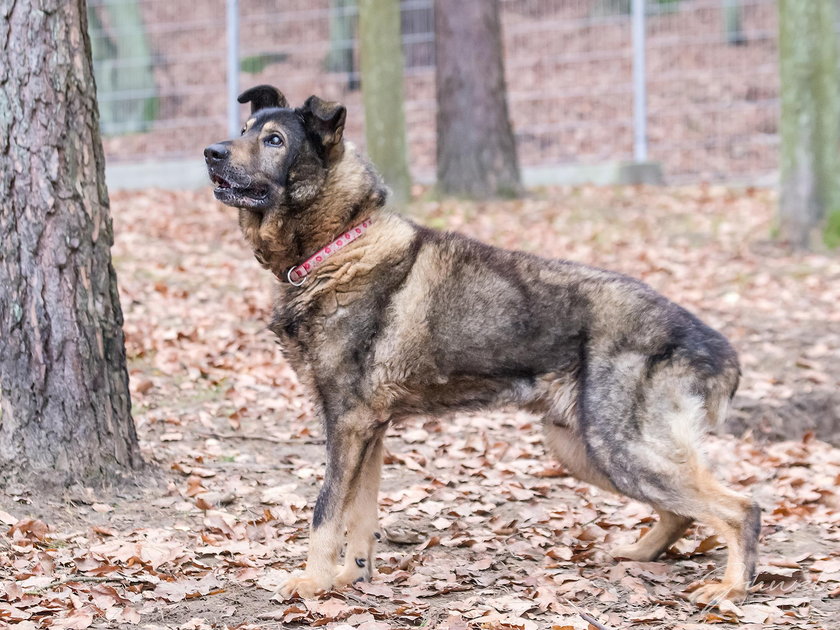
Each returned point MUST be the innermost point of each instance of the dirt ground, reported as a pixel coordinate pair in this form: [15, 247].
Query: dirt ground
[480, 528]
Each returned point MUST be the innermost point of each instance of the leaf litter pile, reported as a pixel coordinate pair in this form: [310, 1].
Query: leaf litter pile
[481, 530]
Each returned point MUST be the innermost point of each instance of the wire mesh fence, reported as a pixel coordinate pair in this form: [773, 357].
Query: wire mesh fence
[712, 77]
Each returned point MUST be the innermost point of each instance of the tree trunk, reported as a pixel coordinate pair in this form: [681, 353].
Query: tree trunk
[476, 151]
[122, 60]
[810, 122]
[733, 22]
[382, 90]
[342, 34]
[65, 410]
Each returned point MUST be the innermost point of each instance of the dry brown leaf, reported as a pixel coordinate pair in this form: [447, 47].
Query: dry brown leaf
[77, 620]
[29, 528]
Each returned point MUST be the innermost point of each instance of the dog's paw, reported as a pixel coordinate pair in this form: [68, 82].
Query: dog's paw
[356, 570]
[715, 593]
[635, 552]
[305, 586]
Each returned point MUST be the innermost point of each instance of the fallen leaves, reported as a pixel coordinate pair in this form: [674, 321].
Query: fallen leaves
[480, 530]
[28, 530]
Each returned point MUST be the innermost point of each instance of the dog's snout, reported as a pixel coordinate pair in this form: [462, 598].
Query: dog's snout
[216, 152]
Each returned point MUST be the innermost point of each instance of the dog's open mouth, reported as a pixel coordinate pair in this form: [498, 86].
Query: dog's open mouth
[251, 196]
[220, 182]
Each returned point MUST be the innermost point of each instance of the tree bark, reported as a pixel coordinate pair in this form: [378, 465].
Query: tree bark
[381, 60]
[65, 410]
[476, 151]
[810, 123]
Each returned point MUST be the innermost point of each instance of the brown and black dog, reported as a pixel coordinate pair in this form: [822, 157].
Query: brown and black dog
[389, 319]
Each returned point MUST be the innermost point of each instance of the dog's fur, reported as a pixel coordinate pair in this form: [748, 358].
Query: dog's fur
[408, 320]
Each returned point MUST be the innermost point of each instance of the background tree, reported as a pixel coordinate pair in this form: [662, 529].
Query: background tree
[65, 412]
[476, 151]
[342, 35]
[810, 123]
[122, 60]
[381, 61]
[733, 22]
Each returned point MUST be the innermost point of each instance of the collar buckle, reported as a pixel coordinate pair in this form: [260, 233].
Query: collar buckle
[289, 277]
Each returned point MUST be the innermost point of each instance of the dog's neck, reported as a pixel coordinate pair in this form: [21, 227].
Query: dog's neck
[284, 236]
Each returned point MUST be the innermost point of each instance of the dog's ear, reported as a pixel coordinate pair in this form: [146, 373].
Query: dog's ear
[325, 121]
[263, 96]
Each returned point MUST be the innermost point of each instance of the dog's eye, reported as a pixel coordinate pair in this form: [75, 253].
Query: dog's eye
[244, 129]
[274, 140]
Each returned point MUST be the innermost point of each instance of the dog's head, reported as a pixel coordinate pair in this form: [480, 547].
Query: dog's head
[283, 154]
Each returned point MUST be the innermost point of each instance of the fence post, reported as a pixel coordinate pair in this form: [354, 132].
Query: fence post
[639, 87]
[233, 67]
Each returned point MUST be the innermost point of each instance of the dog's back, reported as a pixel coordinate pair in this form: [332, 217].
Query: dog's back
[512, 318]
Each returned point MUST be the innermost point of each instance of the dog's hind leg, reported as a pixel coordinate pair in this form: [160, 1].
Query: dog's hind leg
[362, 520]
[643, 433]
[351, 439]
[692, 493]
[568, 447]
[738, 520]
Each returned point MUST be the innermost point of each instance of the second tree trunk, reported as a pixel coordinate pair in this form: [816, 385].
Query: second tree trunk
[476, 151]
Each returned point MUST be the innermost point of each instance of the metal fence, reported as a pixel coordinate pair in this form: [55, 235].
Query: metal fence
[711, 77]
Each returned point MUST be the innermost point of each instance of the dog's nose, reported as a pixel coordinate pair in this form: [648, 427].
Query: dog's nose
[216, 152]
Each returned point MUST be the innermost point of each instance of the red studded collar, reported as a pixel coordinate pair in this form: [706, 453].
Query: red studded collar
[296, 275]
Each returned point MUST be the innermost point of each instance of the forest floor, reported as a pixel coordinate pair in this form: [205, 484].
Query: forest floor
[481, 529]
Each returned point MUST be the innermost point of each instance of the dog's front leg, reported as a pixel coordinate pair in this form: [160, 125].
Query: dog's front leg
[353, 444]
[362, 520]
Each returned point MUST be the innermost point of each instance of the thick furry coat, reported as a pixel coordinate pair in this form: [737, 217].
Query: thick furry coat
[409, 320]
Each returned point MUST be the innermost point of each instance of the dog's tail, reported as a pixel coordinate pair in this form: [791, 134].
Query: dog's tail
[720, 390]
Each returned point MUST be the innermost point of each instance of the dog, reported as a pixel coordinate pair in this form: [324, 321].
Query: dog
[382, 318]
